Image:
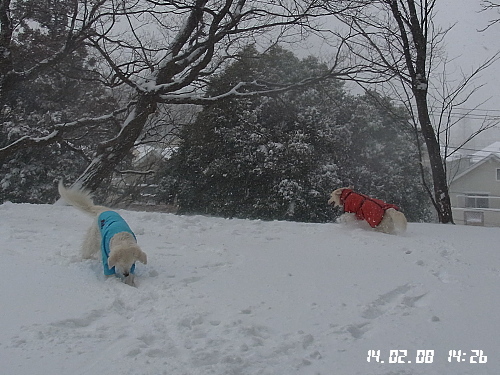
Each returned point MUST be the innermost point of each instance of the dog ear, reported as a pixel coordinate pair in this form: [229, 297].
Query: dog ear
[112, 261]
[141, 256]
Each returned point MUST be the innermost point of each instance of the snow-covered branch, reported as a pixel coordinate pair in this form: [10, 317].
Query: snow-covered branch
[58, 132]
[165, 51]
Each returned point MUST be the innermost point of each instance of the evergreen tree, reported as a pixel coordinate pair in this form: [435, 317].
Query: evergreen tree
[279, 157]
[69, 91]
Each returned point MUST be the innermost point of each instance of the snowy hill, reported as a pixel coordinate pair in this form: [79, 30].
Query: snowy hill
[247, 297]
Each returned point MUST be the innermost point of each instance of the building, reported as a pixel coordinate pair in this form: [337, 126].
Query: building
[138, 186]
[475, 187]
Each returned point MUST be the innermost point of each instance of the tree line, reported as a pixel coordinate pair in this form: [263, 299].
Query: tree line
[279, 157]
[82, 81]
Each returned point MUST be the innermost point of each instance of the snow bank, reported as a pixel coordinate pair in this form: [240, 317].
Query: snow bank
[247, 297]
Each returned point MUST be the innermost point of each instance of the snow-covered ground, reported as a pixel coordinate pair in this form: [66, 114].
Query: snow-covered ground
[247, 297]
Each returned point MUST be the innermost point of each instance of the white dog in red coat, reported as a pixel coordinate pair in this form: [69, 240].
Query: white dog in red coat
[381, 216]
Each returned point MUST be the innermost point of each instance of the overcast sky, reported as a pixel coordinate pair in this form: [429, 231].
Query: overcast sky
[465, 41]
[471, 47]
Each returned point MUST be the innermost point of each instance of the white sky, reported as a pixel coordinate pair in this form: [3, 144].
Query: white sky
[469, 47]
[466, 42]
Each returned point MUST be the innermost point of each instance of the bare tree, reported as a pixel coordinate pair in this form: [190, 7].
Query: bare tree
[488, 5]
[401, 41]
[163, 51]
[449, 111]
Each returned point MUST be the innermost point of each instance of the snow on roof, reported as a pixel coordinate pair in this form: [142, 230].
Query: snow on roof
[493, 148]
[492, 156]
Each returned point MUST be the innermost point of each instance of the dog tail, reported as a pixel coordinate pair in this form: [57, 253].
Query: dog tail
[80, 199]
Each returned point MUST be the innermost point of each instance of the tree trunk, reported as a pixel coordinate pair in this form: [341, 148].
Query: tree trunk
[441, 199]
[110, 153]
[6, 65]
[414, 41]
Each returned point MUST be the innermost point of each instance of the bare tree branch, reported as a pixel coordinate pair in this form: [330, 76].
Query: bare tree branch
[57, 133]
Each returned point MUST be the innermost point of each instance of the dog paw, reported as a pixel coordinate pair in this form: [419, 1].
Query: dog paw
[130, 280]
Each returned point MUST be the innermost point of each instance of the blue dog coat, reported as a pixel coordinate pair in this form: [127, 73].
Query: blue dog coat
[111, 223]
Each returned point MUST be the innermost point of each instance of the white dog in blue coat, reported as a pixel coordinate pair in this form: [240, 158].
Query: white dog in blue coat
[109, 233]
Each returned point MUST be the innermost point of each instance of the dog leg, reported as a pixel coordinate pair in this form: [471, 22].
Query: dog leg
[347, 217]
[399, 222]
[91, 243]
[394, 222]
[130, 279]
[386, 225]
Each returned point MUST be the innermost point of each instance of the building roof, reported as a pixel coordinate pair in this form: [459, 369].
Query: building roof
[493, 148]
[492, 156]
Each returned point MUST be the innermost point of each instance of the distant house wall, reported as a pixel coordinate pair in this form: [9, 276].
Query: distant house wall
[482, 217]
[456, 166]
[475, 193]
[139, 185]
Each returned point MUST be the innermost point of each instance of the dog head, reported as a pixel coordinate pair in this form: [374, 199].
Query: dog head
[124, 256]
[335, 197]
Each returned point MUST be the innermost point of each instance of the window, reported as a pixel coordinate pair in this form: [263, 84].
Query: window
[474, 218]
[498, 174]
[477, 200]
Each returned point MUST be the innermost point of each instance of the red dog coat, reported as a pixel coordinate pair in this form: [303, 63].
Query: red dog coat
[370, 209]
